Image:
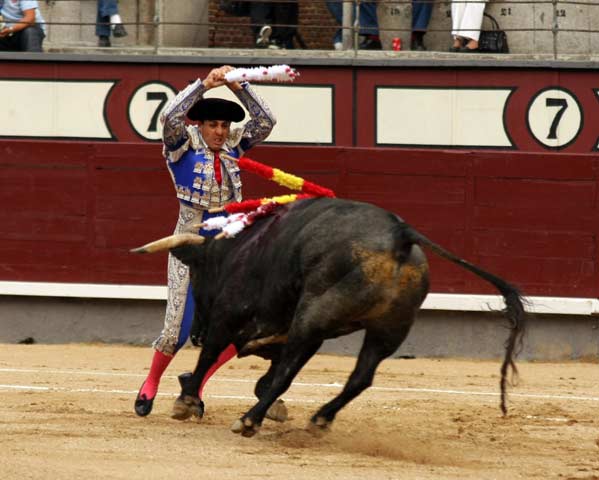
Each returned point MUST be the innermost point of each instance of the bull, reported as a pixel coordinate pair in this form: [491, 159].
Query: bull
[314, 269]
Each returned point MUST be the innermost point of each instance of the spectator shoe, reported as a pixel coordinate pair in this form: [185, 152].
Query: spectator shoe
[263, 39]
[470, 46]
[371, 42]
[418, 44]
[458, 43]
[275, 45]
[469, 50]
[119, 30]
[103, 41]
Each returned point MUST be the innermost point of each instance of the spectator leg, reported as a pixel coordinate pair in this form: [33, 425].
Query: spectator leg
[285, 14]
[457, 12]
[369, 27]
[369, 24]
[106, 8]
[9, 44]
[421, 15]
[336, 10]
[470, 21]
[31, 39]
[260, 15]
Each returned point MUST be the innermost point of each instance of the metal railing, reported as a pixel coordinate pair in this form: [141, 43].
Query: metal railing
[159, 23]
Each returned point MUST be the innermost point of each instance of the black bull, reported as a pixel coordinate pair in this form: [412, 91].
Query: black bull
[313, 270]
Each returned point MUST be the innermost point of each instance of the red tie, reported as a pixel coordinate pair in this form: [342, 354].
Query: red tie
[217, 173]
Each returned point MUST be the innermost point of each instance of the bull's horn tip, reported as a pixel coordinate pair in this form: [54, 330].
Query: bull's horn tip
[138, 250]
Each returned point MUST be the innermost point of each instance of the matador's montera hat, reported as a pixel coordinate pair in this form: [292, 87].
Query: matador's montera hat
[216, 109]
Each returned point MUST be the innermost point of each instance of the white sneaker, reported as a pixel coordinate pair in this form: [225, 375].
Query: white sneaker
[264, 36]
[338, 46]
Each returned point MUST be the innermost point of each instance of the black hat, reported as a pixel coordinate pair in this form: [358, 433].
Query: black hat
[216, 109]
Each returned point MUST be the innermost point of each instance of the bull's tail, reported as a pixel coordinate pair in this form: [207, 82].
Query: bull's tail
[514, 308]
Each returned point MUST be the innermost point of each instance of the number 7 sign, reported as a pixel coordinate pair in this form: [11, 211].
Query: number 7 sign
[145, 106]
[554, 117]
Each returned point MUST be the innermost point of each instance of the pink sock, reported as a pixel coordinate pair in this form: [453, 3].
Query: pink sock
[223, 358]
[159, 363]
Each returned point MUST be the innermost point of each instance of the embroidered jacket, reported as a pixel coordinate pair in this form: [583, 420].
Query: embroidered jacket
[191, 162]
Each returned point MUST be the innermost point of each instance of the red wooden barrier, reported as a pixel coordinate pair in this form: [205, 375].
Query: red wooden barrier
[70, 211]
[72, 208]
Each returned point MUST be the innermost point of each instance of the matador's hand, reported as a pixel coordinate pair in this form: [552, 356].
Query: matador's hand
[216, 78]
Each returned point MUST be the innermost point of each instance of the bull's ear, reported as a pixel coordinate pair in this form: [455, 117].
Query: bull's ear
[188, 254]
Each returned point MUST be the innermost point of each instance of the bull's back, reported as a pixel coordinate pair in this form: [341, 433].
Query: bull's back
[329, 225]
[358, 252]
[326, 222]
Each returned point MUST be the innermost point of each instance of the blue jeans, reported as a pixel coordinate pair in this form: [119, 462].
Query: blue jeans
[106, 8]
[29, 39]
[421, 15]
[369, 24]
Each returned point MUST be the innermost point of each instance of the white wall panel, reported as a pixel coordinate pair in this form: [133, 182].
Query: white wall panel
[54, 109]
[304, 114]
[441, 116]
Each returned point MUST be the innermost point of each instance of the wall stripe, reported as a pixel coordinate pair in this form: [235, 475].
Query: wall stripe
[434, 301]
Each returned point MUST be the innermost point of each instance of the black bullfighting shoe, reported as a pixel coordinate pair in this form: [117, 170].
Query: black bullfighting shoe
[143, 404]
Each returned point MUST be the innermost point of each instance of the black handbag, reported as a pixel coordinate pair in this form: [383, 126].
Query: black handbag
[236, 8]
[493, 41]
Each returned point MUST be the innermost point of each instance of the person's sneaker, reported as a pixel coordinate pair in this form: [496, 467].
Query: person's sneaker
[338, 45]
[119, 30]
[263, 39]
[103, 41]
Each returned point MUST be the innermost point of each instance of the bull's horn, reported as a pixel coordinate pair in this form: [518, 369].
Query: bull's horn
[167, 243]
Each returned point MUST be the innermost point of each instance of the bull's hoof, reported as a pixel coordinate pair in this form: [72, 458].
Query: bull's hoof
[186, 406]
[277, 411]
[184, 378]
[246, 427]
[319, 426]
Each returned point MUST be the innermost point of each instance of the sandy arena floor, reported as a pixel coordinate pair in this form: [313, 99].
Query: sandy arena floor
[66, 412]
